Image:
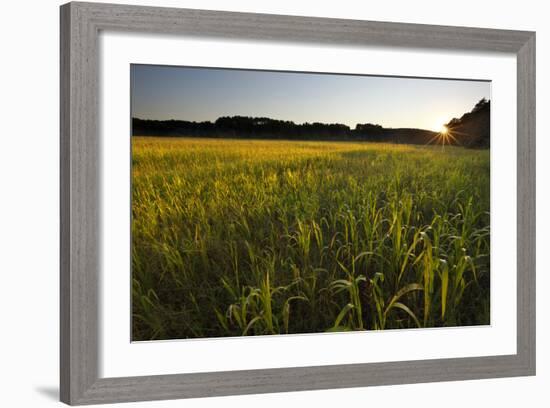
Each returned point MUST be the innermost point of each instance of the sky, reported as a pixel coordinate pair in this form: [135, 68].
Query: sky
[202, 94]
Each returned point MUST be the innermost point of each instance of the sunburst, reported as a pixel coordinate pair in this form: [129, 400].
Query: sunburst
[445, 136]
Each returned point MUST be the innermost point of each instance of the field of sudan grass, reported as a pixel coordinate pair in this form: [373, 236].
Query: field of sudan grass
[245, 237]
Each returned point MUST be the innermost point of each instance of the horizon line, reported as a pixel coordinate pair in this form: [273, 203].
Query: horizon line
[299, 123]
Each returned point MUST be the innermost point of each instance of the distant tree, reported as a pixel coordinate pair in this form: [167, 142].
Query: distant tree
[473, 129]
[482, 104]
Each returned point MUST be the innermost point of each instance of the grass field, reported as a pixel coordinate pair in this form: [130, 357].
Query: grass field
[240, 237]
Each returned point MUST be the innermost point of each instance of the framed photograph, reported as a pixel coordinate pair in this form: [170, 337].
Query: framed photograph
[260, 203]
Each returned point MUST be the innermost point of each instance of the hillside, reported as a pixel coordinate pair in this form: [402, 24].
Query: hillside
[473, 129]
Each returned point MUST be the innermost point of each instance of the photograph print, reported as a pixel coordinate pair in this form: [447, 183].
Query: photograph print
[273, 203]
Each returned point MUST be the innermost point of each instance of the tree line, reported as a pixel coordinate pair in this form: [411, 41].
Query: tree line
[473, 129]
[245, 127]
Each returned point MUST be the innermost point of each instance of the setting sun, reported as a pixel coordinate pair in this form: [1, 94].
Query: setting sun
[444, 136]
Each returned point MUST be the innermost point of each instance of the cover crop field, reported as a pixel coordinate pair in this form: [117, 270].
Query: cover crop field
[249, 237]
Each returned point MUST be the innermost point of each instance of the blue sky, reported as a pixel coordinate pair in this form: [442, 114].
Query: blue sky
[198, 94]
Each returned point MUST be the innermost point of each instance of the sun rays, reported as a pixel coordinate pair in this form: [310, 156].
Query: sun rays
[445, 136]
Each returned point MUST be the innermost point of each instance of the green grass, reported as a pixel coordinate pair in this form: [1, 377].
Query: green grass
[235, 237]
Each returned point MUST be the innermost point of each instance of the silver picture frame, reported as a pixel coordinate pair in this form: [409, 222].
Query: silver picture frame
[81, 24]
